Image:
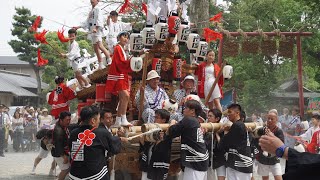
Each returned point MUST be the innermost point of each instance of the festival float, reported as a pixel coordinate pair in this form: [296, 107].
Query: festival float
[159, 46]
[160, 43]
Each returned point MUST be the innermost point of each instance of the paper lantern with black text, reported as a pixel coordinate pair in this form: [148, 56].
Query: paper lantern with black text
[183, 33]
[156, 63]
[174, 23]
[202, 49]
[161, 30]
[148, 36]
[136, 41]
[177, 67]
[193, 42]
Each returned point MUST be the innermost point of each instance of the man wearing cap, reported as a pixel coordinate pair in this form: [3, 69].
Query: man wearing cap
[153, 96]
[188, 85]
[59, 97]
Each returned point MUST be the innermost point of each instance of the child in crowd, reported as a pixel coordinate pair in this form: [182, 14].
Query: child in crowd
[115, 27]
[194, 153]
[95, 25]
[314, 145]
[217, 160]
[155, 157]
[74, 55]
[118, 79]
[236, 144]
[307, 136]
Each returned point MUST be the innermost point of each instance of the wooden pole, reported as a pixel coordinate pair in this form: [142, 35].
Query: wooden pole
[300, 83]
[209, 126]
[54, 48]
[214, 84]
[220, 51]
[143, 85]
[272, 33]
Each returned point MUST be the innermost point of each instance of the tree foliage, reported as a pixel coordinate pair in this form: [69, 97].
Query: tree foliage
[257, 75]
[24, 43]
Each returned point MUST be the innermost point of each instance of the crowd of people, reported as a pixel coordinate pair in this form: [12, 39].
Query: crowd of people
[21, 127]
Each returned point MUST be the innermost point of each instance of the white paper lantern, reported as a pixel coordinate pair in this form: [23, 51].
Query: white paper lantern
[202, 49]
[170, 105]
[193, 42]
[183, 33]
[161, 29]
[136, 64]
[148, 36]
[227, 72]
[136, 41]
[192, 97]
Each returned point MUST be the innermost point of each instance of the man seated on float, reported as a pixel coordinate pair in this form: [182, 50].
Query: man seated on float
[188, 87]
[153, 96]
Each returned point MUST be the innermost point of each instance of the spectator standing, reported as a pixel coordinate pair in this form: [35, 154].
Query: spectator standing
[45, 120]
[18, 130]
[291, 127]
[2, 130]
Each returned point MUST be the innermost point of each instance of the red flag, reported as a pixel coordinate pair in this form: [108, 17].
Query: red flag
[35, 24]
[211, 35]
[144, 8]
[41, 37]
[61, 36]
[217, 17]
[41, 61]
[125, 7]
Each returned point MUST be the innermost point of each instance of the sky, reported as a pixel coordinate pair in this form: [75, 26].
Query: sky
[69, 12]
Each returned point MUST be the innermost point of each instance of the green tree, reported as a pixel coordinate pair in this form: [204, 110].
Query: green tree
[24, 43]
[257, 75]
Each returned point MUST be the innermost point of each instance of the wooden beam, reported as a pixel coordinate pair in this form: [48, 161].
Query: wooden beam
[143, 85]
[300, 83]
[272, 33]
[220, 52]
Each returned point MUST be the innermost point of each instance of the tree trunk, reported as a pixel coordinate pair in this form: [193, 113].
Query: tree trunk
[199, 11]
[37, 72]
